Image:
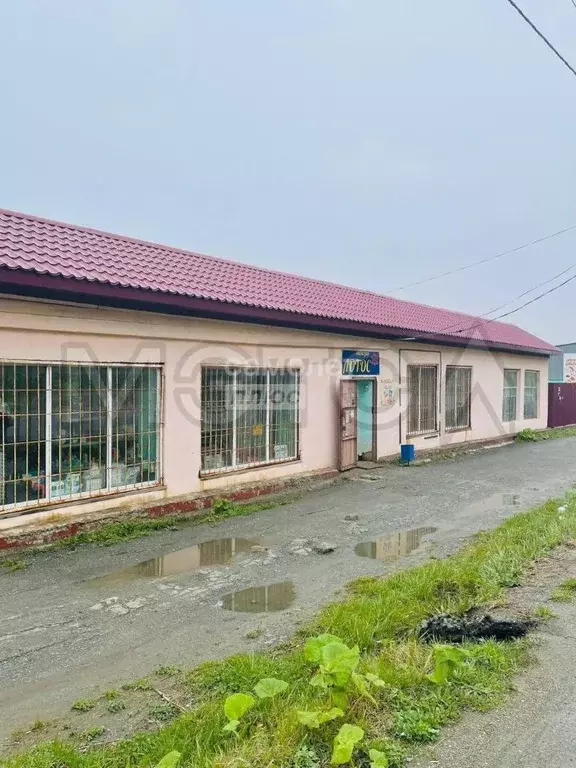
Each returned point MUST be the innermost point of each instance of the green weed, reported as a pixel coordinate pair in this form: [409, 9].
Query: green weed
[553, 433]
[447, 661]
[163, 711]
[344, 742]
[144, 684]
[167, 670]
[12, 564]
[92, 733]
[305, 757]
[170, 760]
[115, 705]
[83, 705]
[543, 613]
[565, 592]
[222, 507]
[235, 707]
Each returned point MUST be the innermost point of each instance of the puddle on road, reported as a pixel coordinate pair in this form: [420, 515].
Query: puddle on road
[205, 555]
[496, 501]
[273, 597]
[395, 546]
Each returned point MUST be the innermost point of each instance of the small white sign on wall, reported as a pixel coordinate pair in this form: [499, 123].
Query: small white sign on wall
[387, 392]
[570, 368]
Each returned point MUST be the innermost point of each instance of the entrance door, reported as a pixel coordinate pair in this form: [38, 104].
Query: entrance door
[348, 423]
[365, 419]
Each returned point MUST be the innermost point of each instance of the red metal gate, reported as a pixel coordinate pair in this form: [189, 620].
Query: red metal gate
[561, 405]
[348, 424]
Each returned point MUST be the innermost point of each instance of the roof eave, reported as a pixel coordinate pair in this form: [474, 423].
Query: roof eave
[31, 283]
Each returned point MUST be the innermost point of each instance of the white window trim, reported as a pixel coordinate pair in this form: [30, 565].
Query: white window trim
[234, 466]
[93, 495]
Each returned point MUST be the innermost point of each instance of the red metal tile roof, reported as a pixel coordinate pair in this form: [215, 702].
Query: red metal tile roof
[57, 249]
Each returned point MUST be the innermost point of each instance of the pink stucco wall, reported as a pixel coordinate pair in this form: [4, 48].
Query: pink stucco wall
[42, 331]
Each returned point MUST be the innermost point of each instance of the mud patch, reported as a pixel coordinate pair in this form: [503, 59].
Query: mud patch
[205, 555]
[267, 599]
[395, 546]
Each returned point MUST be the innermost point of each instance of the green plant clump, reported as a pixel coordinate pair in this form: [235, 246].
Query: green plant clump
[12, 564]
[552, 433]
[92, 733]
[565, 592]
[167, 670]
[83, 705]
[528, 436]
[163, 711]
[543, 613]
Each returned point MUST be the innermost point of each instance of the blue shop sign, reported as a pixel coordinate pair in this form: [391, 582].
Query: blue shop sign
[360, 363]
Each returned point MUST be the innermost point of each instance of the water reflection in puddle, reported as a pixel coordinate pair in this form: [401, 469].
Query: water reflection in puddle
[273, 597]
[394, 546]
[496, 501]
[209, 553]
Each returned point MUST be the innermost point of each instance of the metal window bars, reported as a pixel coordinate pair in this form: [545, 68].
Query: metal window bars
[76, 431]
[531, 394]
[458, 396]
[250, 417]
[422, 399]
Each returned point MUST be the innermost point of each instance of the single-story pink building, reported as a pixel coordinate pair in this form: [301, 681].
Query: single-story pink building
[134, 369]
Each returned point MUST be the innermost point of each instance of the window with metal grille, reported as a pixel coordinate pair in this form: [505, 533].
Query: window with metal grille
[510, 403]
[531, 394]
[249, 417]
[73, 431]
[458, 396]
[422, 399]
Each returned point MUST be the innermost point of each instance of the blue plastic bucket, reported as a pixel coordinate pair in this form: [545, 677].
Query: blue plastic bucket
[407, 453]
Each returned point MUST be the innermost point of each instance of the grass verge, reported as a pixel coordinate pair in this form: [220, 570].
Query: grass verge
[115, 532]
[552, 433]
[565, 592]
[381, 616]
[222, 509]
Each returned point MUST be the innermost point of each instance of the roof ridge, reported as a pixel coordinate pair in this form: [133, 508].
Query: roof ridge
[253, 267]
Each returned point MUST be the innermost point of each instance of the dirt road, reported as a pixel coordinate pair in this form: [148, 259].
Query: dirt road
[66, 632]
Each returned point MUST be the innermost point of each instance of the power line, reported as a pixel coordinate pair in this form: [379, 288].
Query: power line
[513, 311]
[520, 296]
[542, 36]
[485, 261]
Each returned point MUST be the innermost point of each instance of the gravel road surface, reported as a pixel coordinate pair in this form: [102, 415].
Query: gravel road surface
[75, 623]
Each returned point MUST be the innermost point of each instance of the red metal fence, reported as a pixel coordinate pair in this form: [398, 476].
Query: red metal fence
[561, 405]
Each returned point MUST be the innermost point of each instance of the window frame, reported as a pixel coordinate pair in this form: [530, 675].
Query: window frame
[457, 369]
[427, 431]
[537, 389]
[46, 416]
[506, 388]
[232, 444]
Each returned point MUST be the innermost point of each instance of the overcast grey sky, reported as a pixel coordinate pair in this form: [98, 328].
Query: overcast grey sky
[366, 142]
